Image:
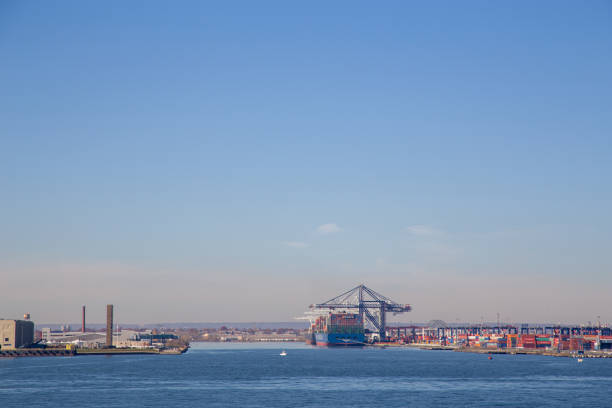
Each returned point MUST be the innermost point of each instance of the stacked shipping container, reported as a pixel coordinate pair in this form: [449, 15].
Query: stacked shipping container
[339, 329]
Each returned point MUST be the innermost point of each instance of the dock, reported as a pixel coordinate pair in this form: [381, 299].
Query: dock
[536, 352]
[115, 351]
[63, 352]
[37, 352]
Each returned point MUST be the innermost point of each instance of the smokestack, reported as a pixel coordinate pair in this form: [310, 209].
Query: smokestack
[83, 320]
[109, 325]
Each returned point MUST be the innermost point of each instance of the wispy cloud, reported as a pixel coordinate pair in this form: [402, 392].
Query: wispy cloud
[423, 230]
[431, 242]
[326, 229]
[296, 244]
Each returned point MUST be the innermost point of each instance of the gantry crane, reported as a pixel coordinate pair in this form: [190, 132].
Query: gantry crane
[371, 306]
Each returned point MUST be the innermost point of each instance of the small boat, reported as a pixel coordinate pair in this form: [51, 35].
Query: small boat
[283, 353]
[579, 360]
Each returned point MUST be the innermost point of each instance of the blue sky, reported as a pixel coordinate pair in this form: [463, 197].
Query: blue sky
[268, 155]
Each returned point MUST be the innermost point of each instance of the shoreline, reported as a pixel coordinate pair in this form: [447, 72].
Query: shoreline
[512, 351]
[58, 352]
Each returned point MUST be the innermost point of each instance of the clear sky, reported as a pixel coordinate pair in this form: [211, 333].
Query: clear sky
[238, 161]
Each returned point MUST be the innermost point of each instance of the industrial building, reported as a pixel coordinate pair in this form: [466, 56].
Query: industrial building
[95, 340]
[16, 334]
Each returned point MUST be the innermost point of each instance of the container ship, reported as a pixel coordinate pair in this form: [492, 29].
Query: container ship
[338, 329]
[310, 336]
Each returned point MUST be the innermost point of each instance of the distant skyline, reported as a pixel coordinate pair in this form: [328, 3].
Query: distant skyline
[202, 161]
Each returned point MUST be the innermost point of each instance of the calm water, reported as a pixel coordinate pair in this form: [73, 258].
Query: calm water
[253, 375]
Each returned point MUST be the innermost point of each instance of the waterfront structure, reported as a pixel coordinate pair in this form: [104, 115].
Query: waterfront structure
[535, 337]
[16, 333]
[95, 340]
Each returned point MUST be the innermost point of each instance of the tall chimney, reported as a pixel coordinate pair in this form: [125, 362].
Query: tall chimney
[83, 320]
[109, 325]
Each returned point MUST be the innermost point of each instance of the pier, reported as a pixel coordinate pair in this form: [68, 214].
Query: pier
[66, 352]
[36, 352]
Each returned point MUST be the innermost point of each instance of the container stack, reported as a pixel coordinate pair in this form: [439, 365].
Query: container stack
[576, 344]
[528, 341]
[344, 323]
[339, 329]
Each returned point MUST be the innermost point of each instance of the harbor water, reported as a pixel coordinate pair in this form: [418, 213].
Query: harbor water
[255, 375]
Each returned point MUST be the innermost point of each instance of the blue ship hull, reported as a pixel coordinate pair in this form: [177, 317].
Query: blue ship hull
[339, 339]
